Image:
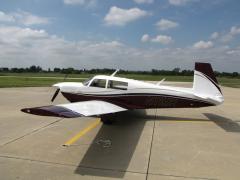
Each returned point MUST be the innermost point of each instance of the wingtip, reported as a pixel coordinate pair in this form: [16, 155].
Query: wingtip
[26, 110]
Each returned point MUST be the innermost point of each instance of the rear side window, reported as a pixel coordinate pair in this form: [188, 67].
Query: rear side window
[117, 85]
[98, 83]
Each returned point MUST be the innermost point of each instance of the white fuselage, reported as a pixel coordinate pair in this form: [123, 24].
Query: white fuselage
[146, 95]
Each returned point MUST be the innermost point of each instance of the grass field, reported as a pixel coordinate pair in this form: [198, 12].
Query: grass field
[47, 79]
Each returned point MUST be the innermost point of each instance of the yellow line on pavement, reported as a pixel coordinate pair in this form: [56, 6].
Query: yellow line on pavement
[83, 132]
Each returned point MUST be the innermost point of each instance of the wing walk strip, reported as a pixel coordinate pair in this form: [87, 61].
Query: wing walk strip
[82, 133]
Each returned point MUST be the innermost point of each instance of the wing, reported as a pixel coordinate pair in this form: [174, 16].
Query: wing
[78, 109]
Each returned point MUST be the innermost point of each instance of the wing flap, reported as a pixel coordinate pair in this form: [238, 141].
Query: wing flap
[78, 109]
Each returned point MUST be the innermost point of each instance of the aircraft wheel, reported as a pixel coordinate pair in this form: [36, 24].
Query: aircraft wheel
[106, 121]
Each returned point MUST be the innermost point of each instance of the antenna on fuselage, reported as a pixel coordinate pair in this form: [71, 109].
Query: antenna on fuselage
[115, 72]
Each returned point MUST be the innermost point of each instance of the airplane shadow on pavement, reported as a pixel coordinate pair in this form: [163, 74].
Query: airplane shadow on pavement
[113, 147]
[225, 123]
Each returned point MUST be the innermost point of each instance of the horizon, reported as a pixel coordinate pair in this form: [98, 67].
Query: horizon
[50, 70]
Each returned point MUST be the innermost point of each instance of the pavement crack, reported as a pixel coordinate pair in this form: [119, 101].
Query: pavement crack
[101, 169]
[69, 165]
[29, 133]
[189, 164]
[185, 177]
[149, 159]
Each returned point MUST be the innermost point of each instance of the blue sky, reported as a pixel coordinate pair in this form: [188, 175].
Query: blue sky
[127, 34]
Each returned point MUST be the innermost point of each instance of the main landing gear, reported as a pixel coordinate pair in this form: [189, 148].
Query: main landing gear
[107, 119]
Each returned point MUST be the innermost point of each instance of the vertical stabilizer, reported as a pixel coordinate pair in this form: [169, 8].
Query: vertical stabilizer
[205, 83]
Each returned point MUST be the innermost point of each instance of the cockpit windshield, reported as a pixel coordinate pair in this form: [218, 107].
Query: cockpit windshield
[86, 82]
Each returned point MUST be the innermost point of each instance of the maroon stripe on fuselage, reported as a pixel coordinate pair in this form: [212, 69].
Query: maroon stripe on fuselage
[140, 101]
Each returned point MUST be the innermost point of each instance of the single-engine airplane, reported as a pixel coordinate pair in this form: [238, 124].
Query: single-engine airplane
[105, 95]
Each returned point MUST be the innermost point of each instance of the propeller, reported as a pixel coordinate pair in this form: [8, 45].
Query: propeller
[55, 94]
[57, 91]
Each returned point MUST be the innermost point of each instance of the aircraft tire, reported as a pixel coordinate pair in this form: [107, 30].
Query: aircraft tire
[106, 121]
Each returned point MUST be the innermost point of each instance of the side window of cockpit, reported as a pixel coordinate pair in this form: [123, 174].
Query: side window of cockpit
[98, 83]
[117, 85]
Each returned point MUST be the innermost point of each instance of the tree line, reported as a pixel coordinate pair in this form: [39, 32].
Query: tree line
[175, 71]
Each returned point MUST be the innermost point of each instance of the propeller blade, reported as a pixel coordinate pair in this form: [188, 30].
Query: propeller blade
[55, 95]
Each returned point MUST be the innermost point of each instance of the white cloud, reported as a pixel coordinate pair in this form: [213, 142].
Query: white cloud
[178, 2]
[120, 17]
[25, 46]
[29, 19]
[165, 24]
[145, 38]
[72, 2]
[23, 17]
[19, 37]
[80, 2]
[226, 38]
[234, 31]
[144, 1]
[214, 35]
[234, 52]
[203, 45]
[163, 39]
[5, 17]
[21, 47]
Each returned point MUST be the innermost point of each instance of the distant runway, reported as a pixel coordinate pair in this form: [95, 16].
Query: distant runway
[42, 77]
[165, 144]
